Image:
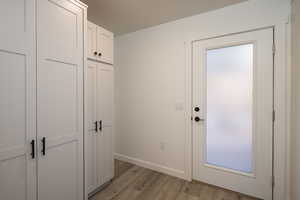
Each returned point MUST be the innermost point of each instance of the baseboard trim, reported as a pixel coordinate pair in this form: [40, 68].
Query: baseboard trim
[152, 166]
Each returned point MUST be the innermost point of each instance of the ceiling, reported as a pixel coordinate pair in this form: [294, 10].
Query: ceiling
[124, 16]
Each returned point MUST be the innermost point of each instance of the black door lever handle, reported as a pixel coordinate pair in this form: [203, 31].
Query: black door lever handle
[198, 119]
[100, 127]
[44, 146]
[32, 149]
[96, 126]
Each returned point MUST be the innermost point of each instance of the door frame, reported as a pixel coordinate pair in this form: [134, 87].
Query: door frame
[282, 97]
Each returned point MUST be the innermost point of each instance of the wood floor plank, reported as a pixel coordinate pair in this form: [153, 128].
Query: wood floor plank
[121, 168]
[218, 194]
[154, 188]
[136, 188]
[170, 190]
[188, 193]
[120, 184]
[137, 183]
[194, 188]
[206, 193]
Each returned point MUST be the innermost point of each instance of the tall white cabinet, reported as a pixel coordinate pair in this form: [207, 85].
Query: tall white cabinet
[17, 100]
[60, 58]
[99, 112]
[41, 102]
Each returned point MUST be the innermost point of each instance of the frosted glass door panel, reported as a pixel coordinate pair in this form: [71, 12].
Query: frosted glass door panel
[229, 107]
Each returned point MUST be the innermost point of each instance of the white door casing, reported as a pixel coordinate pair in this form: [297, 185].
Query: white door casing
[259, 182]
[17, 104]
[60, 99]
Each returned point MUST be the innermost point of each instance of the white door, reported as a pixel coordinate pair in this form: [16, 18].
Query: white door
[93, 127]
[105, 45]
[17, 101]
[233, 106]
[60, 99]
[105, 101]
[92, 41]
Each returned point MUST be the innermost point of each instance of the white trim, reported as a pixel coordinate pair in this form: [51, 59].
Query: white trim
[150, 165]
[281, 104]
[85, 123]
[79, 3]
[188, 113]
[289, 96]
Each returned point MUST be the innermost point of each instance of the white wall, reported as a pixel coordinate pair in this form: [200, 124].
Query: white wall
[150, 80]
[295, 150]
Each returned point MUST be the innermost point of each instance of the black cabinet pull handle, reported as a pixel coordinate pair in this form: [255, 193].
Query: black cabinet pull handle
[44, 146]
[32, 149]
[95, 53]
[100, 54]
[96, 126]
[100, 127]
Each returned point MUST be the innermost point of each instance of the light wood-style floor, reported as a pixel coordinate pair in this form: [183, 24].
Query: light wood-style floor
[136, 183]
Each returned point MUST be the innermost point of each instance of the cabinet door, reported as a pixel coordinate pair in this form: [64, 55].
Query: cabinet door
[104, 158]
[17, 100]
[60, 99]
[105, 99]
[105, 45]
[105, 93]
[108, 165]
[92, 41]
[92, 129]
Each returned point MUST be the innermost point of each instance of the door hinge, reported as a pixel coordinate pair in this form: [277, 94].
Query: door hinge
[274, 48]
[273, 116]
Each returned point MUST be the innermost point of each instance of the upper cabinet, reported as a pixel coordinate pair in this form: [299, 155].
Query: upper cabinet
[92, 41]
[100, 44]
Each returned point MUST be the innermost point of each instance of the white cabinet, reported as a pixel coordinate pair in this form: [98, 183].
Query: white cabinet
[17, 101]
[100, 43]
[92, 52]
[99, 107]
[60, 99]
[92, 127]
[41, 102]
[100, 98]
[105, 45]
[105, 106]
